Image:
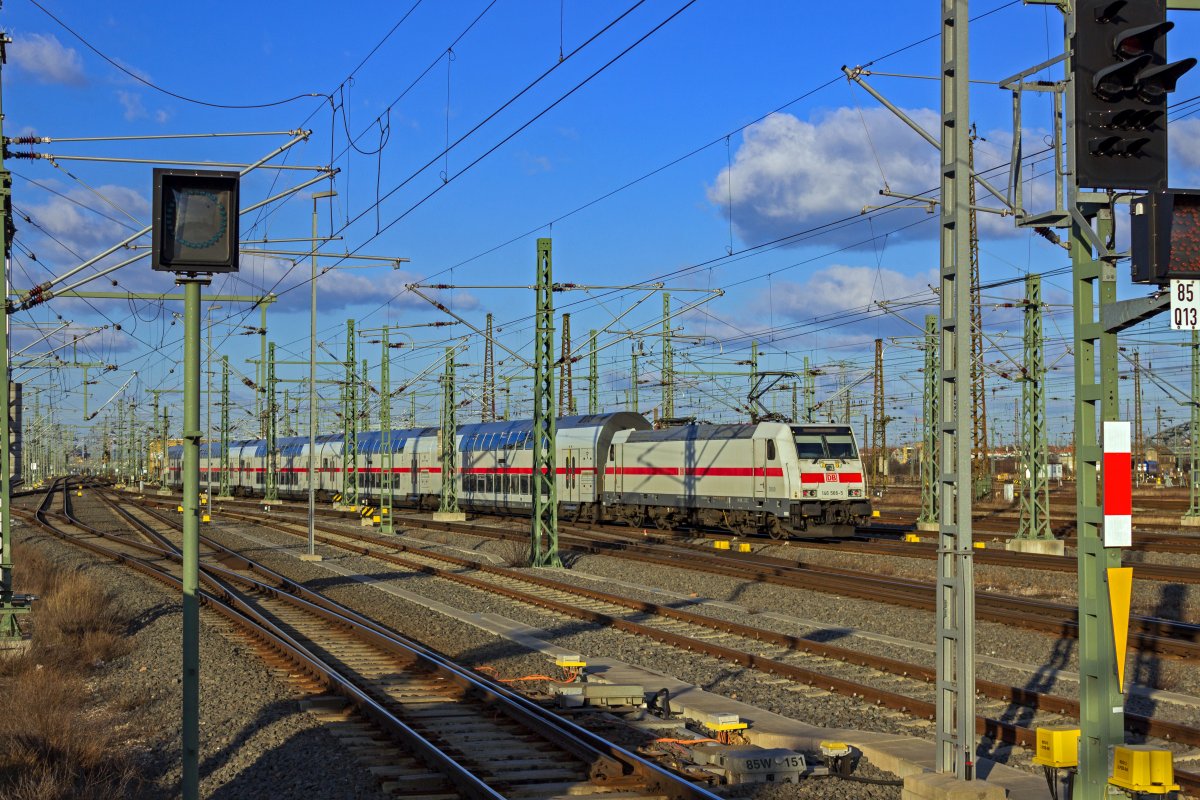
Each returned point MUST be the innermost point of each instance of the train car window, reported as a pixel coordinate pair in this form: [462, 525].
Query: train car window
[841, 446]
[809, 446]
[525, 484]
[612, 452]
[770, 449]
[487, 483]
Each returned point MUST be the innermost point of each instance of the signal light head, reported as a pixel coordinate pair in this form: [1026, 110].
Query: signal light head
[1139, 41]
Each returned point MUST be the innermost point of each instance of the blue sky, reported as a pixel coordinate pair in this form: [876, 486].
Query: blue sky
[659, 113]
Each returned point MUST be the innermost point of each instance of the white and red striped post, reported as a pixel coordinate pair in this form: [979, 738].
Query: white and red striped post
[1118, 485]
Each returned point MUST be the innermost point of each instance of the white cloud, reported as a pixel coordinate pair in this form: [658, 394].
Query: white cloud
[45, 57]
[80, 230]
[1185, 148]
[789, 175]
[844, 288]
[131, 102]
[340, 288]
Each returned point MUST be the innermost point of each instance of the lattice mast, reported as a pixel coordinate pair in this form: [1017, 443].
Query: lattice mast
[931, 442]
[566, 395]
[449, 440]
[981, 465]
[1035, 455]
[270, 411]
[225, 489]
[544, 516]
[488, 407]
[350, 423]
[879, 425]
[1139, 441]
[593, 376]
[668, 360]
[1193, 511]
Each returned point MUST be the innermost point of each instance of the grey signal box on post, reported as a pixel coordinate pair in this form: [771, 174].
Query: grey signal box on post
[1165, 236]
[195, 228]
[1122, 79]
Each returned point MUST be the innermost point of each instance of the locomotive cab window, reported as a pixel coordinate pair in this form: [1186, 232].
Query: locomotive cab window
[809, 446]
[770, 449]
[841, 446]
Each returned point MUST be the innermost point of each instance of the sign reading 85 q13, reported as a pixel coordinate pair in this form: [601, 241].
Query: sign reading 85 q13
[1185, 305]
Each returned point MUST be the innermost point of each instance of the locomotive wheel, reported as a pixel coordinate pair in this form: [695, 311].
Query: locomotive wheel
[774, 528]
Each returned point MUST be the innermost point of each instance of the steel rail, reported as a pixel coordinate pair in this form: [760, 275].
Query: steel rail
[1135, 723]
[609, 764]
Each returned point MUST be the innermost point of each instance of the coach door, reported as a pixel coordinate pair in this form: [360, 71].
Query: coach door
[570, 465]
[587, 475]
[425, 483]
[760, 468]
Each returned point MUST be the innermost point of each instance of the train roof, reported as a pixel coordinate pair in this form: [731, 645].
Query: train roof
[372, 441]
[694, 432]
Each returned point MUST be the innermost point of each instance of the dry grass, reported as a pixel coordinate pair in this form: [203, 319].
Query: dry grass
[55, 741]
[512, 552]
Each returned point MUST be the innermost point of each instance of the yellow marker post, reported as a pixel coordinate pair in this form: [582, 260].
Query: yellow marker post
[1120, 587]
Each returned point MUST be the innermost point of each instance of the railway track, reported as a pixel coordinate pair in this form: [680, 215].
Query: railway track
[1146, 634]
[465, 735]
[842, 670]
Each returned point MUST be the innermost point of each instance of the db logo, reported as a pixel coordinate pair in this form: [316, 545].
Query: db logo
[831, 477]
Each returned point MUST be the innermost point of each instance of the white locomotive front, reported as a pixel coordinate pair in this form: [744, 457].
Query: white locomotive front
[770, 477]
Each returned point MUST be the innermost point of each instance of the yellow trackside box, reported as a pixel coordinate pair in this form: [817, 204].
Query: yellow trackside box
[1144, 769]
[721, 544]
[744, 547]
[1057, 746]
[912, 537]
[570, 661]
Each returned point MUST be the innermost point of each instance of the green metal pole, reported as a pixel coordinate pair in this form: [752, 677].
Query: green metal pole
[507, 397]
[225, 487]
[162, 461]
[544, 533]
[593, 379]
[1101, 705]
[385, 449]
[1192, 517]
[930, 450]
[262, 372]
[270, 409]
[1035, 487]
[449, 441]
[350, 424]
[191, 539]
[753, 369]
[668, 357]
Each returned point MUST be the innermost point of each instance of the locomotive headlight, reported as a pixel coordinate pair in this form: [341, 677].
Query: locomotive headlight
[856, 492]
[810, 492]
